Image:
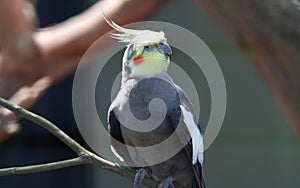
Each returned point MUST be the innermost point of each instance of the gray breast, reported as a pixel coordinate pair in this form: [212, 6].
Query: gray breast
[144, 91]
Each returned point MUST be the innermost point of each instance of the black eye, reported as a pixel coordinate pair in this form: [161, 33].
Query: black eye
[147, 47]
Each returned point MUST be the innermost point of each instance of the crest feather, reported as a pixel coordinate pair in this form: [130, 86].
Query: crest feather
[132, 36]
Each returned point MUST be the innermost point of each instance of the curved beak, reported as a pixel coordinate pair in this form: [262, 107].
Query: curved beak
[165, 49]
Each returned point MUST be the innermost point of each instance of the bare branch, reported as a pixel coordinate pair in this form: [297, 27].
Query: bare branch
[44, 167]
[84, 156]
[19, 111]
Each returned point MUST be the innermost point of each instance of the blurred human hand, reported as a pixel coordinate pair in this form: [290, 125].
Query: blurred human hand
[28, 53]
[24, 97]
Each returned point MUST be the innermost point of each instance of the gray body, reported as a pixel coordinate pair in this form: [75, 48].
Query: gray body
[137, 94]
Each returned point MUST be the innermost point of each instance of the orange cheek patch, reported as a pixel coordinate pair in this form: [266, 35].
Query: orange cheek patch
[138, 60]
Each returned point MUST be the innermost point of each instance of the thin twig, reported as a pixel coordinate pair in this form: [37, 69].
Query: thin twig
[19, 111]
[84, 156]
[43, 167]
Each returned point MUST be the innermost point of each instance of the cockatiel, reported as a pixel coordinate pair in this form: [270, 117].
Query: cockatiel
[145, 77]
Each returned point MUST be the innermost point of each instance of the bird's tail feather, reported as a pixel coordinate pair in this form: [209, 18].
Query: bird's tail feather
[196, 181]
[196, 185]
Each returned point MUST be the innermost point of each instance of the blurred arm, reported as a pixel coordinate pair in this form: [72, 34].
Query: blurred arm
[18, 51]
[75, 35]
[27, 54]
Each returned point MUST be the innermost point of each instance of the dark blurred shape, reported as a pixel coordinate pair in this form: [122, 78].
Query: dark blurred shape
[55, 11]
[33, 144]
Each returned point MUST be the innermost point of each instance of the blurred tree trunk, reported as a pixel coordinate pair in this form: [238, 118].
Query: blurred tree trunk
[268, 32]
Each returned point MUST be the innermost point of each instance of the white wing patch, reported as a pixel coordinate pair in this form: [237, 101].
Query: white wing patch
[116, 153]
[197, 138]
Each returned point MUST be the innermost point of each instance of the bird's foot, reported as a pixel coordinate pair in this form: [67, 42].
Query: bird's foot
[140, 175]
[167, 183]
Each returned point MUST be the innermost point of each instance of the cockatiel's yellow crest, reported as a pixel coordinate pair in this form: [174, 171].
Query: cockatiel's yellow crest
[132, 36]
[147, 53]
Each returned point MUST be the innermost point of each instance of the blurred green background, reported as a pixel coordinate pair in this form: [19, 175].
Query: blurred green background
[256, 146]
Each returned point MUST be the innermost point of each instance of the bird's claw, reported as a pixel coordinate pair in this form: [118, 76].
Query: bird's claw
[140, 176]
[167, 183]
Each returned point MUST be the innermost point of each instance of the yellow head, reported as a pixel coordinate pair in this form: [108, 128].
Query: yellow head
[147, 53]
[147, 59]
